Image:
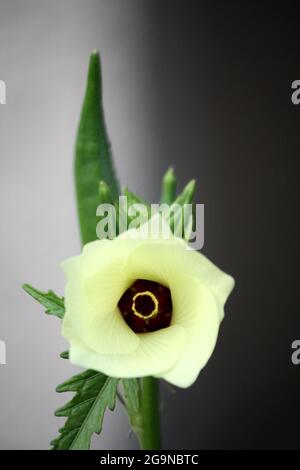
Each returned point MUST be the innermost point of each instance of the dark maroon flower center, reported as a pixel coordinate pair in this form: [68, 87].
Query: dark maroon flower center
[146, 306]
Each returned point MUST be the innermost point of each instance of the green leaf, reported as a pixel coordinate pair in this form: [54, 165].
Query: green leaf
[54, 305]
[94, 392]
[168, 190]
[93, 159]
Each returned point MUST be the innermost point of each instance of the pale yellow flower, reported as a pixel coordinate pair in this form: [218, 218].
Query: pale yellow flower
[103, 330]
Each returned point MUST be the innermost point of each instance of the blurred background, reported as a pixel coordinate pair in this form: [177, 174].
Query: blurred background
[205, 87]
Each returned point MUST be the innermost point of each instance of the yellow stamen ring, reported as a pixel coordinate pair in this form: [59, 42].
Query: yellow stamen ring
[153, 298]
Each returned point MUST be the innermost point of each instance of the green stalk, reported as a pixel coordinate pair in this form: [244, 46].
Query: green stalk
[150, 438]
[142, 405]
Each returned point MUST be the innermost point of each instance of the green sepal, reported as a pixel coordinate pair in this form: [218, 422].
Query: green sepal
[64, 355]
[123, 212]
[168, 190]
[175, 212]
[133, 198]
[187, 195]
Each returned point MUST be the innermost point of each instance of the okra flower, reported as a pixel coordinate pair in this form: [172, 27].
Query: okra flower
[144, 304]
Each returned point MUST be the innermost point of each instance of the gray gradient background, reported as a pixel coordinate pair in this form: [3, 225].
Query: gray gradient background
[202, 86]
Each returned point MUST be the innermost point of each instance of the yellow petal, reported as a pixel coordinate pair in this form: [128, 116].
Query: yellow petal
[195, 309]
[161, 261]
[219, 282]
[95, 284]
[105, 334]
[156, 228]
[156, 352]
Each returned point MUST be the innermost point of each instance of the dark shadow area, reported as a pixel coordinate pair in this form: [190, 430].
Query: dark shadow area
[222, 79]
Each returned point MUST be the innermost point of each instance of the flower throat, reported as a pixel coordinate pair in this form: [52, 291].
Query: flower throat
[146, 306]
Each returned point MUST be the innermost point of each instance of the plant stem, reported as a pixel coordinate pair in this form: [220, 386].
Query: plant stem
[149, 434]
